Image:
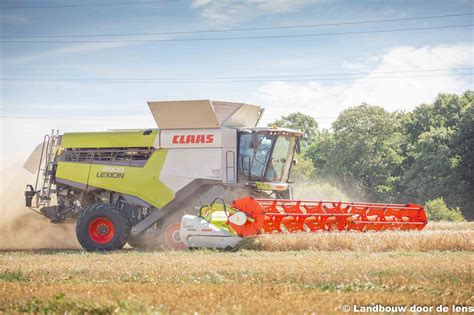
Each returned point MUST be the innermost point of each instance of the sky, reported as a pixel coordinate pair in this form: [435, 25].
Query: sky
[317, 75]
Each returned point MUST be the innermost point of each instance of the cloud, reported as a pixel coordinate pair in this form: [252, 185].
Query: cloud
[326, 99]
[224, 12]
[65, 50]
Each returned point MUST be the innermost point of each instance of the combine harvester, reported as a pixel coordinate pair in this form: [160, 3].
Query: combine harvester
[208, 177]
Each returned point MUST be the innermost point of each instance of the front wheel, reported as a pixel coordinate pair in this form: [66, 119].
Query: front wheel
[102, 227]
[166, 236]
[170, 238]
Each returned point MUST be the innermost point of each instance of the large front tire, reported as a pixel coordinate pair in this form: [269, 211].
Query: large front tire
[102, 227]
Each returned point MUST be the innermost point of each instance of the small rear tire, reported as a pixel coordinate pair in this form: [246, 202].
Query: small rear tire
[165, 236]
[169, 237]
[102, 227]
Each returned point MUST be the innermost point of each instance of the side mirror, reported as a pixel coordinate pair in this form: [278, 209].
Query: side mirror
[298, 145]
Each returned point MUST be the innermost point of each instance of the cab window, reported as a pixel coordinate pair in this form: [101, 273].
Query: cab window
[253, 158]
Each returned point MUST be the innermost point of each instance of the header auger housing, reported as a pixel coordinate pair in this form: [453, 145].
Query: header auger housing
[147, 187]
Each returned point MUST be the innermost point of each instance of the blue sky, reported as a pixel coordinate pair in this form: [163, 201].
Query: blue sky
[102, 105]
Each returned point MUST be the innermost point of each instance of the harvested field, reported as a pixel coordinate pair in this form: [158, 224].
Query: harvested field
[302, 274]
[242, 282]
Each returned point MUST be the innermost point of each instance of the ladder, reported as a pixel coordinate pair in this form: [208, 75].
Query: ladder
[45, 185]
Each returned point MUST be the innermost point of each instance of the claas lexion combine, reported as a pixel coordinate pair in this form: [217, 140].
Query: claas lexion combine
[206, 177]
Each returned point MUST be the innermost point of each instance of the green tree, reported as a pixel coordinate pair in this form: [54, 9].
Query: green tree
[446, 111]
[437, 210]
[439, 151]
[320, 152]
[300, 122]
[303, 171]
[465, 149]
[367, 151]
[433, 171]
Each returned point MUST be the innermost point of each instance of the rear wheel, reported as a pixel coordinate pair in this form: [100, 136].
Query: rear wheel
[102, 227]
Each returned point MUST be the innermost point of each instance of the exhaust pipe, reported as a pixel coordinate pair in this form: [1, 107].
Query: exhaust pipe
[29, 194]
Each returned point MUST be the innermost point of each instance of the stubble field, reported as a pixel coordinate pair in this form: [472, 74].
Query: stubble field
[280, 274]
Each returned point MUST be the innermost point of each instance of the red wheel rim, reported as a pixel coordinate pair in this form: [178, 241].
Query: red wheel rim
[101, 230]
[171, 237]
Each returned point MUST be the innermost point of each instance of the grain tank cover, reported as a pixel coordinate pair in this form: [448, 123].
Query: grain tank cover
[204, 114]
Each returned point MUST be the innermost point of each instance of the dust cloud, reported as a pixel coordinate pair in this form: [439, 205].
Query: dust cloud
[20, 227]
[321, 190]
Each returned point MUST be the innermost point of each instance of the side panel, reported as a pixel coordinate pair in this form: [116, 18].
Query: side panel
[184, 165]
[198, 154]
[142, 182]
[73, 172]
[109, 139]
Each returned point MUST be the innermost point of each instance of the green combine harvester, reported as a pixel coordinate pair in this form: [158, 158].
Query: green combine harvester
[207, 177]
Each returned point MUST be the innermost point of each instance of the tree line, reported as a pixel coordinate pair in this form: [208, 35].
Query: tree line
[423, 156]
